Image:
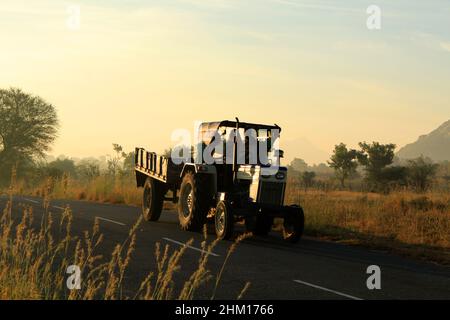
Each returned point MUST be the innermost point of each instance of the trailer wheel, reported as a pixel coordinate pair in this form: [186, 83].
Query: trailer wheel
[193, 202]
[224, 221]
[153, 199]
[259, 225]
[293, 225]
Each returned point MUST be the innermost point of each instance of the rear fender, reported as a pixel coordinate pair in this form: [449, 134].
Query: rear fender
[208, 170]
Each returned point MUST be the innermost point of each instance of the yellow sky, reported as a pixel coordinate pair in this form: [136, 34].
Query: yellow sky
[134, 73]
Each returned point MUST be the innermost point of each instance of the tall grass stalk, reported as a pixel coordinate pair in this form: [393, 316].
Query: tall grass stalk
[34, 259]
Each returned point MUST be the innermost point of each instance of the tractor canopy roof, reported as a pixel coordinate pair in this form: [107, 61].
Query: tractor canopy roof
[208, 129]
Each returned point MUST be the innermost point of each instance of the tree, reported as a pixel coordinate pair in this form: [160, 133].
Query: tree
[375, 157]
[28, 126]
[393, 176]
[299, 165]
[344, 162]
[59, 167]
[88, 169]
[115, 162]
[122, 163]
[307, 178]
[323, 169]
[421, 173]
[128, 163]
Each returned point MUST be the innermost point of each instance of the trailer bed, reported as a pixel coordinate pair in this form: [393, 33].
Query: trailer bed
[157, 166]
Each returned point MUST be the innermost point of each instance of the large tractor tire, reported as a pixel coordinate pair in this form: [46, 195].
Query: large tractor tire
[193, 202]
[259, 225]
[153, 199]
[294, 225]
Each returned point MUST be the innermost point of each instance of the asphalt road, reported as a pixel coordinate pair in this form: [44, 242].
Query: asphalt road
[311, 269]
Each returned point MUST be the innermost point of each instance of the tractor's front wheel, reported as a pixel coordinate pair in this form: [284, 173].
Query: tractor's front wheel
[153, 199]
[224, 221]
[294, 225]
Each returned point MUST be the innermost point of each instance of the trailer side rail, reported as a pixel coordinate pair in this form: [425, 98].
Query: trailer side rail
[151, 164]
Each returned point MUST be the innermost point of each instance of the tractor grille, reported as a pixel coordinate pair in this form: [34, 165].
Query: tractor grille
[271, 193]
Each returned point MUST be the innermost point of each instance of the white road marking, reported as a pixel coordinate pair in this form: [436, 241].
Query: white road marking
[191, 247]
[37, 202]
[328, 290]
[34, 201]
[112, 221]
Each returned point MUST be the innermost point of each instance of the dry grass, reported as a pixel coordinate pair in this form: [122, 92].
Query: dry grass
[106, 189]
[34, 260]
[103, 189]
[405, 222]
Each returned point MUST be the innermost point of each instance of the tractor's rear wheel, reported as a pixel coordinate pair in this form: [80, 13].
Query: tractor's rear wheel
[294, 225]
[193, 202]
[153, 199]
[259, 225]
[223, 220]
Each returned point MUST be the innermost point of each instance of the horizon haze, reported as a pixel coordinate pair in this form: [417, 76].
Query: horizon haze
[133, 72]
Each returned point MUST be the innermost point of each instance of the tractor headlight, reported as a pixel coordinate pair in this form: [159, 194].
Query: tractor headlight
[280, 175]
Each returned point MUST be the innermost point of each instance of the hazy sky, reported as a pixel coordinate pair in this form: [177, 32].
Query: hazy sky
[136, 70]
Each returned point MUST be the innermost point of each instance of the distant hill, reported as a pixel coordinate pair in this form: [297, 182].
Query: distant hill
[304, 149]
[435, 145]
